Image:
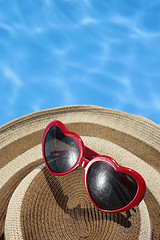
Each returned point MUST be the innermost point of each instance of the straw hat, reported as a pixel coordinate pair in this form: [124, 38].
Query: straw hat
[37, 205]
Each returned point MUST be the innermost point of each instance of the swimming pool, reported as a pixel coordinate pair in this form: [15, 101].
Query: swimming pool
[58, 53]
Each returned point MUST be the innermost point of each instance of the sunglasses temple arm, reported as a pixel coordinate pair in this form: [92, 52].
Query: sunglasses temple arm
[89, 153]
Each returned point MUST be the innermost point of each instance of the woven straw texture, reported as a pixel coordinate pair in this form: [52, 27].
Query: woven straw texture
[37, 205]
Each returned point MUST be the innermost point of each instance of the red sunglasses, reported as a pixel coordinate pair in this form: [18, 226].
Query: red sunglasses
[110, 187]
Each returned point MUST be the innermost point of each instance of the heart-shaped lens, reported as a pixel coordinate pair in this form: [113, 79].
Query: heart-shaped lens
[61, 151]
[109, 189]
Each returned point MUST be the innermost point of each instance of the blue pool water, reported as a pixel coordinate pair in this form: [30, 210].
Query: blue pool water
[59, 52]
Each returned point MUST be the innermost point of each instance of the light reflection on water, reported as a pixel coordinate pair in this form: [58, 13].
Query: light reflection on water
[56, 53]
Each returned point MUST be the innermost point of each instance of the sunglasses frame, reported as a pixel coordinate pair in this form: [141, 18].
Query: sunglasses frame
[92, 156]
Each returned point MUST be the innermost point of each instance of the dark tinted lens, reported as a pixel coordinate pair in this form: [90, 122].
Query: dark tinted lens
[109, 189]
[61, 151]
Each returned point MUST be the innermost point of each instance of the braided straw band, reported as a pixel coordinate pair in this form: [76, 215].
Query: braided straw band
[43, 206]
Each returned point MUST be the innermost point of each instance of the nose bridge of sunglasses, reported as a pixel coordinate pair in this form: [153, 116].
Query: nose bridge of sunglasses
[89, 153]
[83, 163]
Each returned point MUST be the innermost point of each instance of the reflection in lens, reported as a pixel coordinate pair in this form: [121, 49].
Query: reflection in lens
[61, 152]
[109, 189]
